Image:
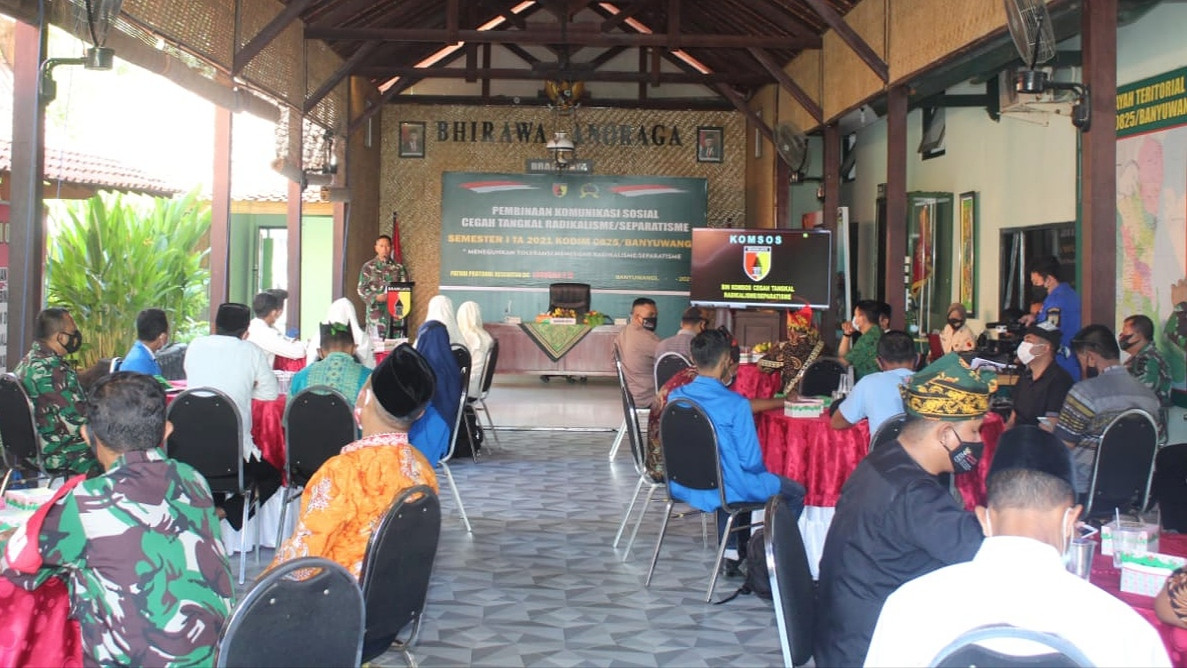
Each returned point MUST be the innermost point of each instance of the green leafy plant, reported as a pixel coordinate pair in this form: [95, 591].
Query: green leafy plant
[115, 254]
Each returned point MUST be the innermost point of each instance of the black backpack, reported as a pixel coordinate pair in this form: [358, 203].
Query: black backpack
[758, 579]
[467, 447]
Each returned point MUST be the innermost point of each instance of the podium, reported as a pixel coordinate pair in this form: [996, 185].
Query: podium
[399, 306]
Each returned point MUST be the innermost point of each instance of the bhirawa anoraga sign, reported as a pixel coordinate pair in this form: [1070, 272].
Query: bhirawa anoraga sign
[530, 230]
[526, 132]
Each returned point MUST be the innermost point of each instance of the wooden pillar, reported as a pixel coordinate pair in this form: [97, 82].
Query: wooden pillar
[220, 211]
[26, 221]
[339, 252]
[832, 199]
[1098, 160]
[293, 222]
[896, 202]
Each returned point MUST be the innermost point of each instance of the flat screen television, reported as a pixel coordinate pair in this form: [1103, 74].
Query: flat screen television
[762, 268]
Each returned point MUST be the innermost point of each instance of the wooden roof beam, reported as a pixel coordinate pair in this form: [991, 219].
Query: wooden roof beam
[267, 34]
[577, 35]
[552, 72]
[850, 37]
[363, 53]
[732, 95]
[788, 84]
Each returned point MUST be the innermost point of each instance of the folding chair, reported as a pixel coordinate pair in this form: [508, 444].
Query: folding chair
[462, 354]
[305, 612]
[692, 459]
[967, 649]
[888, 430]
[21, 444]
[792, 590]
[317, 423]
[488, 377]
[667, 365]
[207, 435]
[1124, 464]
[622, 429]
[822, 377]
[638, 451]
[396, 571]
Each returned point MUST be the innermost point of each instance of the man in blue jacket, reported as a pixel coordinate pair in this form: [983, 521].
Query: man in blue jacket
[1061, 308]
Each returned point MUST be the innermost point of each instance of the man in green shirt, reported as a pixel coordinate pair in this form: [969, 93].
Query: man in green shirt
[862, 355]
[1145, 362]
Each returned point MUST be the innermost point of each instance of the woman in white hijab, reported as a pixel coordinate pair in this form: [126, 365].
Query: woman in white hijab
[469, 321]
[441, 310]
[342, 311]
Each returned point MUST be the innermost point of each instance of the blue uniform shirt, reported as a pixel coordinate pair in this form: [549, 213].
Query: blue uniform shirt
[140, 360]
[745, 476]
[1062, 308]
[875, 397]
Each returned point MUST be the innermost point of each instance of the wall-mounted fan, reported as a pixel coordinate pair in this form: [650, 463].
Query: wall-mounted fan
[1030, 26]
[792, 145]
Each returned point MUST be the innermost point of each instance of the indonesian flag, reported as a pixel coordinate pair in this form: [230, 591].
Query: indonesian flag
[496, 186]
[397, 253]
[639, 191]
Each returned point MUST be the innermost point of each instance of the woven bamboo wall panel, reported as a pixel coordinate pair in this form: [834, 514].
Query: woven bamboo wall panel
[850, 80]
[805, 71]
[280, 67]
[206, 28]
[412, 186]
[924, 31]
[760, 169]
[321, 63]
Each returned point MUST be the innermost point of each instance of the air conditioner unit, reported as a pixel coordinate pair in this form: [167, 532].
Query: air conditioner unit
[1036, 108]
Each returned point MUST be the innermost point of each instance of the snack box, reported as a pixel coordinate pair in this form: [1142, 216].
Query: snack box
[1145, 574]
[27, 499]
[804, 408]
[1150, 535]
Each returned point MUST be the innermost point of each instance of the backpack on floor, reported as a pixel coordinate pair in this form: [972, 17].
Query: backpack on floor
[467, 447]
[758, 579]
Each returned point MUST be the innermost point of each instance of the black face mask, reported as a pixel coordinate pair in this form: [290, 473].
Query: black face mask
[1091, 372]
[1038, 293]
[1125, 340]
[73, 342]
[955, 323]
[649, 323]
[966, 456]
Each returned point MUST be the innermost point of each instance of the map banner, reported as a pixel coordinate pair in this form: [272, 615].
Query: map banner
[1152, 104]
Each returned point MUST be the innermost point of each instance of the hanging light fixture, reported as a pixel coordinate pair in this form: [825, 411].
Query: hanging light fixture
[99, 16]
[561, 148]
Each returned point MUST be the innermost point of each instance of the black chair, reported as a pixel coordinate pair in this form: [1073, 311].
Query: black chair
[465, 364]
[1169, 487]
[888, 430]
[171, 359]
[667, 365]
[462, 355]
[822, 377]
[692, 458]
[638, 454]
[622, 429]
[569, 295]
[792, 590]
[1124, 464]
[21, 444]
[114, 365]
[967, 649]
[305, 612]
[206, 435]
[317, 423]
[488, 376]
[396, 570]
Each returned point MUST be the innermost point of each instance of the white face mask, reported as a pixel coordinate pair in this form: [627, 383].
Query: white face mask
[1067, 538]
[854, 323]
[1026, 353]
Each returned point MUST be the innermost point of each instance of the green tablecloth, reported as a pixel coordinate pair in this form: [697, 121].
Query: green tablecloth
[555, 340]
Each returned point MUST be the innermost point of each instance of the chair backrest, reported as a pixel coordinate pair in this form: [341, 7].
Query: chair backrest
[688, 442]
[888, 430]
[18, 429]
[462, 355]
[317, 423]
[967, 649]
[569, 295]
[1124, 463]
[488, 373]
[822, 377]
[669, 364]
[792, 590]
[631, 419]
[115, 364]
[398, 564]
[935, 347]
[305, 612]
[171, 359]
[207, 435]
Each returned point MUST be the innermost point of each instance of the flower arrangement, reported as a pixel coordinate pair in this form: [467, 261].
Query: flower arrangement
[592, 318]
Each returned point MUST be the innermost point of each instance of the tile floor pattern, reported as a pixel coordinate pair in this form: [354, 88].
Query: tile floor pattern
[538, 583]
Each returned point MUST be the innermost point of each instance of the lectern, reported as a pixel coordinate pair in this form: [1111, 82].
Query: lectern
[399, 306]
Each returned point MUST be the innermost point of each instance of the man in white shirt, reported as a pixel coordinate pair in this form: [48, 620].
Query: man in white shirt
[268, 306]
[226, 362]
[876, 397]
[1018, 576]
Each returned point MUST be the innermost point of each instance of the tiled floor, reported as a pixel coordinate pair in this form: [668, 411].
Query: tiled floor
[538, 582]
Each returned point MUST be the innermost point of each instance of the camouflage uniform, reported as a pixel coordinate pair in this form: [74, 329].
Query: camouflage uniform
[149, 580]
[1151, 369]
[58, 407]
[373, 281]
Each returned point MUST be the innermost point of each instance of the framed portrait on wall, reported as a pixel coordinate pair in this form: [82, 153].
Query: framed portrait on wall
[709, 144]
[412, 139]
[967, 291]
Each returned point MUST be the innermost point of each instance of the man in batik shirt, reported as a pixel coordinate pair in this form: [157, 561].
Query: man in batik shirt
[374, 278]
[148, 578]
[345, 499]
[802, 347]
[58, 398]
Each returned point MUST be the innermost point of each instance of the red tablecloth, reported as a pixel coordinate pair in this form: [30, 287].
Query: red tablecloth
[267, 429]
[1109, 579]
[34, 627]
[822, 458]
[754, 384]
[381, 355]
[288, 364]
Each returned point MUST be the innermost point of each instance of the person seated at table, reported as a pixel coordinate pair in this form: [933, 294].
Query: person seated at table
[58, 399]
[433, 341]
[1043, 385]
[225, 361]
[1017, 576]
[1106, 391]
[743, 473]
[895, 519]
[348, 495]
[262, 330]
[1171, 602]
[957, 336]
[477, 340]
[793, 356]
[862, 355]
[441, 309]
[636, 347]
[152, 334]
[138, 546]
[341, 311]
[877, 397]
[1144, 362]
[692, 322]
[338, 366]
